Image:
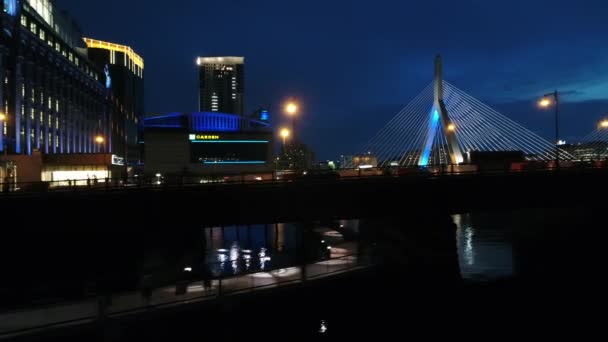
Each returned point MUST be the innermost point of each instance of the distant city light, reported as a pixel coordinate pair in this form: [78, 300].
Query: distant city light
[188, 269]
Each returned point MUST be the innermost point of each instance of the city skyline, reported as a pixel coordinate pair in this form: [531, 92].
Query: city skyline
[354, 67]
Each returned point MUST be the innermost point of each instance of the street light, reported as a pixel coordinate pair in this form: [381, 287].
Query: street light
[100, 140]
[291, 108]
[603, 124]
[451, 127]
[285, 134]
[546, 102]
[2, 117]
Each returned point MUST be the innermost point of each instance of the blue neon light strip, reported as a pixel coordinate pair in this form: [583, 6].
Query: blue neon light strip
[236, 162]
[426, 153]
[230, 141]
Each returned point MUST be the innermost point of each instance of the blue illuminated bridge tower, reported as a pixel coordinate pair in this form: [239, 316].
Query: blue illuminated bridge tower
[443, 124]
[439, 116]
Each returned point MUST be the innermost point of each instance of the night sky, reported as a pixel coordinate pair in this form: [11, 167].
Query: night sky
[354, 64]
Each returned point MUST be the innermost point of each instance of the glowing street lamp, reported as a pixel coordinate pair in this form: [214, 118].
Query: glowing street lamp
[451, 127]
[603, 124]
[546, 102]
[291, 108]
[99, 140]
[2, 117]
[285, 134]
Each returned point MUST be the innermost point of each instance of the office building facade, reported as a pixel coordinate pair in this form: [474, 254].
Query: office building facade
[124, 76]
[53, 98]
[221, 84]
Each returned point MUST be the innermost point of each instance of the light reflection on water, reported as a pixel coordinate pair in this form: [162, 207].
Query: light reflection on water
[232, 250]
[485, 251]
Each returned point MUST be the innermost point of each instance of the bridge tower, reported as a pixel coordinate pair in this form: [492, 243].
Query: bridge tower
[439, 116]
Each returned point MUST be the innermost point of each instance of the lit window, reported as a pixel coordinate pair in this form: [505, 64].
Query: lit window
[23, 21]
[42, 35]
[33, 27]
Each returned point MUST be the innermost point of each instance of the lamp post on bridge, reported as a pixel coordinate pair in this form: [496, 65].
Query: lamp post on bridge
[546, 102]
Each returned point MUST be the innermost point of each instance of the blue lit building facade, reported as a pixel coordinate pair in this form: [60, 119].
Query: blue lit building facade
[53, 99]
[208, 143]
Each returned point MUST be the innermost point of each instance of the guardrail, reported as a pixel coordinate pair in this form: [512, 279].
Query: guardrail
[113, 184]
[37, 319]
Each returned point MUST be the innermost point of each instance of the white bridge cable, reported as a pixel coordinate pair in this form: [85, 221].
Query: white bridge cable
[468, 125]
[478, 128]
[499, 121]
[527, 137]
[385, 140]
[410, 121]
[595, 144]
[415, 142]
[527, 140]
[396, 120]
[414, 121]
[483, 132]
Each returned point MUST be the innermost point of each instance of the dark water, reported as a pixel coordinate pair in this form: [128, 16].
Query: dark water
[535, 263]
[485, 249]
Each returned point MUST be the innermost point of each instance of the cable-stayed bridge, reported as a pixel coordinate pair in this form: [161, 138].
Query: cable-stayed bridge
[444, 125]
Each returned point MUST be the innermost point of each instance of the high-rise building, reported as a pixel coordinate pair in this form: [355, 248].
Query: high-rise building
[222, 84]
[53, 99]
[124, 76]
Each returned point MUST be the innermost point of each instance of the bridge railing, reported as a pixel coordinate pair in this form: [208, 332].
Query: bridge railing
[113, 184]
[191, 291]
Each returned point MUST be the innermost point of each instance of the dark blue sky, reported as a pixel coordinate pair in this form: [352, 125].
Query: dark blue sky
[354, 64]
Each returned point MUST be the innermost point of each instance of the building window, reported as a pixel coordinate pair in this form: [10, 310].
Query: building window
[33, 27]
[23, 21]
[42, 35]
